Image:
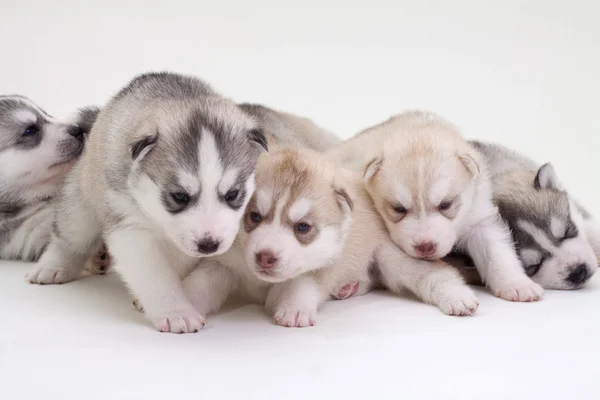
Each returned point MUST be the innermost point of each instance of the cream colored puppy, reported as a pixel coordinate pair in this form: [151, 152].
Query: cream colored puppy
[309, 229]
[433, 191]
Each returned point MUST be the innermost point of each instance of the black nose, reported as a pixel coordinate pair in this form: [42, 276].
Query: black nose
[76, 132]
[207, 246]
[579, 275]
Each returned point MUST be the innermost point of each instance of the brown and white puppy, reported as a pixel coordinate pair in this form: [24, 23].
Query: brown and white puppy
[433, 191]
[309, 229]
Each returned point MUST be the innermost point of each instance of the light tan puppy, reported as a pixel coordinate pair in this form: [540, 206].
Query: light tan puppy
[309, 229]
[433, 191]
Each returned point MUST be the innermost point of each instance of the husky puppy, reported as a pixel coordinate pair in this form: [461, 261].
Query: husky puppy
[433, 191]
[293, 130]
[309, 229]
[36, 152]
[164, 180]
[557, 240]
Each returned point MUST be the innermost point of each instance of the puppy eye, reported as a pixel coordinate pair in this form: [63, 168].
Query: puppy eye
[31, 130]
[302, 227]
[533, 269]
[400, 209]
[255, 217]
[181, 198]
[570, 233]
[444, 205]
[231, 195]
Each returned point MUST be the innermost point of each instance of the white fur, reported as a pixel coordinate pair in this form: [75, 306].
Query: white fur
[299, 209]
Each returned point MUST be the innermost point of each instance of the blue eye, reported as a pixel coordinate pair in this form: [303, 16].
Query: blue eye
[400, 209]
[255, 217]
[31, 130]
[302, 227]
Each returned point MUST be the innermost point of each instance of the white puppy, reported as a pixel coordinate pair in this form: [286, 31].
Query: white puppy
[433, 191]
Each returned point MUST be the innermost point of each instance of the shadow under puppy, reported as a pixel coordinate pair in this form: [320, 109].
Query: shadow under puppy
[36, 152]
[557, 240]
[434, 193]
[309, 229]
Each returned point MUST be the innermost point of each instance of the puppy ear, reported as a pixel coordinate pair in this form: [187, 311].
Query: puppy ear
[258, 136]
[344, 200]
[546, 178]
[372, 168]
[470, 163]
[140, 148]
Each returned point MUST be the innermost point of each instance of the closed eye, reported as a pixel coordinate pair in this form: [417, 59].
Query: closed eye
[570, 233]
[533, 269]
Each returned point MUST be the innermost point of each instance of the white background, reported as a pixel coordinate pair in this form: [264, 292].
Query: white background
[522, 73]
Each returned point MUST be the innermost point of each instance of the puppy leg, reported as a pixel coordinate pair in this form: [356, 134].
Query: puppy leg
[490, 246]
[145, 268]
[208, 287]
[99, 263]
[434, 282]
[294, 303]
[74, 235]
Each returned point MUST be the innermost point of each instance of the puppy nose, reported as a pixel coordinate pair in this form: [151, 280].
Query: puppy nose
[208, 245]
[579, 275]
[266, 259]
[425, 248]
[76, 132]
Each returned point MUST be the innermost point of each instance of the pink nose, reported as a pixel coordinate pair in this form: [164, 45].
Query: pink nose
[425, 248]
[266, 259]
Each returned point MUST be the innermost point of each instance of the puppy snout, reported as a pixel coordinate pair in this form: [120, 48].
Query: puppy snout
[76, 132]
[579, 275]
[208, 245]
[266, 259]
[425, 248]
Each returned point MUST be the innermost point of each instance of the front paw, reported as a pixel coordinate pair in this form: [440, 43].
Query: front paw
[294, 317]
[100, 264]
[187, 320]
[49, 276]
[524, 291]
[459, 301]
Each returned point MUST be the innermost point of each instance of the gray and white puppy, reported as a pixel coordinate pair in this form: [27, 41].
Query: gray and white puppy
[164, 179]
[36, 152]
[557, 240]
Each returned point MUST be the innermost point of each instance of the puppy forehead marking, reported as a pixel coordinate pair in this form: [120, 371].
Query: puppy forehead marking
[229, 178]
[530, 256]
[25, 116]
[264, 200]
[189, 182]
[557, 227]
[210, 167]
[299, 208]
[403, 195]
[537, 234]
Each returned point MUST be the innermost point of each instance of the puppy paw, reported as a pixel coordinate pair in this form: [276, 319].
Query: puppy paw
[347, 291]
[293, 317]
[100, 264]
[185, 321]
[524, 291]
[138, 304]
[460, 301]
[49, 276]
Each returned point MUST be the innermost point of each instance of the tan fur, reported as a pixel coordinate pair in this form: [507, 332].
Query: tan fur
[366, 256]
[434, 192]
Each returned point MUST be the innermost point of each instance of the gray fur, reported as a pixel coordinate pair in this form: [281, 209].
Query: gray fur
[530, 198]
[26, 206]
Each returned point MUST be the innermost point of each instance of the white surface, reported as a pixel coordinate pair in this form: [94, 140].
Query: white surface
[522, 74]
[85, 340]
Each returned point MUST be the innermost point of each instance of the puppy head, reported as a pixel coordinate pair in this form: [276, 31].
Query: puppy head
[548, 228]
[298, 217]
[423, 188]
[193, 172]
[36, 150]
